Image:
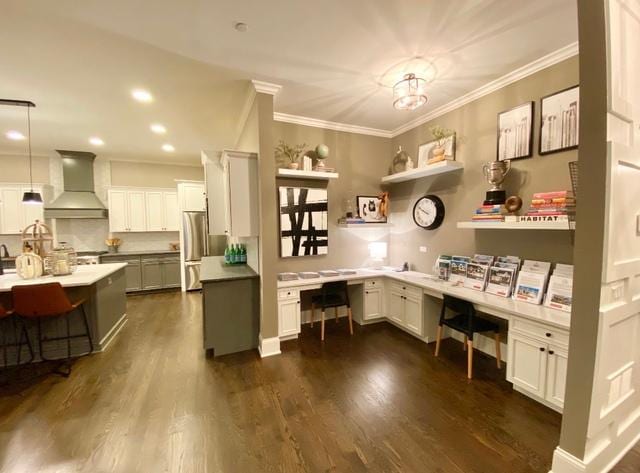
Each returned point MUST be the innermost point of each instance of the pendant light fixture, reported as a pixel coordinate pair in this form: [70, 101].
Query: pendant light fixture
[410, 93]
[30, 197]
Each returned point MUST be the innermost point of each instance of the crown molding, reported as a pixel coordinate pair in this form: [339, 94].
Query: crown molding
[327, 125]
[514, 76]
[266, 87]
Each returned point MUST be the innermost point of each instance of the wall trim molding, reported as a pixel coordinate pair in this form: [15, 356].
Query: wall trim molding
[535, 66]
[564, 462]
[266, 87]
[269, 346]
[329, 125]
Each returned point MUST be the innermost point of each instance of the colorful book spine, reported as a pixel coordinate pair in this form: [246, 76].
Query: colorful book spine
[552, 195]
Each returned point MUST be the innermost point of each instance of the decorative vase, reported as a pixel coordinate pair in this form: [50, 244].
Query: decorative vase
[294, 165]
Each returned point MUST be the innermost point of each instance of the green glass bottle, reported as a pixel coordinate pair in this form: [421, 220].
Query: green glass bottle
[243, 254]
[227, 255]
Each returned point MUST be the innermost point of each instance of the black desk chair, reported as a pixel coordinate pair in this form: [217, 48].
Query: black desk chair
[334, 294]
[467, 322]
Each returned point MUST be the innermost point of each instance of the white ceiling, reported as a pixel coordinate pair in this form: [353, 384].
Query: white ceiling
[336, 60]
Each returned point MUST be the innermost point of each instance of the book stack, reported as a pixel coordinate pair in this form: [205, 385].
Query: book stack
[558, 206]
[489, 213]
[350, 220]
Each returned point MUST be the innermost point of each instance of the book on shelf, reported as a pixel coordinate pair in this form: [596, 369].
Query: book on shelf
[487, 218]
[476, 276]
[553, 195]
[500, 280]
[350, 220]
[556, 201]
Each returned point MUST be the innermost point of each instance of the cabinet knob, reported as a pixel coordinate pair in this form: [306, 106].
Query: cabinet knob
[541, 349]
[403, 288]
[298, 302]
[551, 352]
[548, 334]
[366, 292]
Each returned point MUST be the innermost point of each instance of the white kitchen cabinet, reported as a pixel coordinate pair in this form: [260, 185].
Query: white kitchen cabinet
[232, 193]
[14, 215]
[137, 211]
[405, 307]
[143, 210]
[162, 214]
[192, 196]
[373, 301]
[538, 360]
[171, 211]
[288, 312]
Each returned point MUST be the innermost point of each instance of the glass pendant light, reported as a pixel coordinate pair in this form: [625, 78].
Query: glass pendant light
[410, 93]
[29, 197]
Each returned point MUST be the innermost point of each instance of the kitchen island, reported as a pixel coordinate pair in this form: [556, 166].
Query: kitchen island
[230, 307]
[103, 288]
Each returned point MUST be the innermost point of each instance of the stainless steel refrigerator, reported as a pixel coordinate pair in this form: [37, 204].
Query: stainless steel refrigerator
[195, 244]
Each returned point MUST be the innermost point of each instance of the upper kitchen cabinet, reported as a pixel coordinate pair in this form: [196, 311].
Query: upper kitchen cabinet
[192, 196]
[14, 215]
[143, 210]
[232, 193]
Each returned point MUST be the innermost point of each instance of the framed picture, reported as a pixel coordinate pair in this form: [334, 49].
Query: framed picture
[304, 229]
[369, 209]
[425, 151]
[559, 121]
[515, 132]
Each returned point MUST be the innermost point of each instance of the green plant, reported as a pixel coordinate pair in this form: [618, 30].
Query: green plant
[440, 134]
[284, 152]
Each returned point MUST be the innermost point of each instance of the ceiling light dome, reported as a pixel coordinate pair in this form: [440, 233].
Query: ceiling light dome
[410, 93]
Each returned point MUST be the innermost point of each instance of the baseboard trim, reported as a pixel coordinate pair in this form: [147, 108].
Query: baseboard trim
[564, 462]
[269, 346]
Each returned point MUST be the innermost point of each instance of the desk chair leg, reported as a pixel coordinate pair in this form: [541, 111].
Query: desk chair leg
[498, 354]
[470, 360]
[335, 310]
[322, 325]
[313, 313]
[350, 321]
[438, 338]
[464, 345]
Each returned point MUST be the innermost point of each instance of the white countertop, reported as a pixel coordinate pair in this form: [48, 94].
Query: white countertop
[84, 276]
[487, 303]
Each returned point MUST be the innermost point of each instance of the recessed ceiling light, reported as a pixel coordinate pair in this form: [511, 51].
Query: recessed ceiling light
[168, 148]
[15, 135]
[142, 95]
[95, 141]
[158, 129]
[241, 26]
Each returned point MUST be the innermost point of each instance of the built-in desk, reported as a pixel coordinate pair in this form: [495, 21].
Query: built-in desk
[538, 338]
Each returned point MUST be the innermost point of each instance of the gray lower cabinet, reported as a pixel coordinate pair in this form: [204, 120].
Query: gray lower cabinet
[148, 272]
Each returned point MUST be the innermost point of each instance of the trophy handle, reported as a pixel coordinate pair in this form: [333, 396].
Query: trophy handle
[485, 170]
[508, 161]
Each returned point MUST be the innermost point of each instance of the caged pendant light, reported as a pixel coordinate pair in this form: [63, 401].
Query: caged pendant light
[410, 93]
[29, 197]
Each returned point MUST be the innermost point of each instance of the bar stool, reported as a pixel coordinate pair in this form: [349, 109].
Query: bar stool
[43, 302]
[5, 319]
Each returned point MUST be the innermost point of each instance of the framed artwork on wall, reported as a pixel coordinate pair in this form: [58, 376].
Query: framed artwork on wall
[515, 132]
[304, 227]
[369, 209]
[432, 151]
[559, 121]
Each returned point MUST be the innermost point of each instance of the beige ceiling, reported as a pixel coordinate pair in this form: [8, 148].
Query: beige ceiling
[336, 60]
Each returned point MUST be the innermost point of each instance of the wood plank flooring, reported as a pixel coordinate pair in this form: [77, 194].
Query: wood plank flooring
[377, 402]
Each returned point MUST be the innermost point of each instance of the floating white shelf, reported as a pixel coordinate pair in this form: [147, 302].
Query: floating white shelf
[518, 225]
[298, 174]
[430, 170]
[364, 225]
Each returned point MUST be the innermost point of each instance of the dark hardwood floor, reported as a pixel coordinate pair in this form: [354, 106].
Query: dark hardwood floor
[378, 401]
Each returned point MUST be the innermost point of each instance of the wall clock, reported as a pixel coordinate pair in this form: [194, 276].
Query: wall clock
[428, 212]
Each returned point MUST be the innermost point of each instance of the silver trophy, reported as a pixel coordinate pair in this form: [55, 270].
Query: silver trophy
[495, 173]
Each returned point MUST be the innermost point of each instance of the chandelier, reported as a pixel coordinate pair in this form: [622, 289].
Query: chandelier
[410, 93]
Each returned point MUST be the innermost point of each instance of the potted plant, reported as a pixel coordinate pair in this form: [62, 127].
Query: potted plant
[289, 154]
[440, 135]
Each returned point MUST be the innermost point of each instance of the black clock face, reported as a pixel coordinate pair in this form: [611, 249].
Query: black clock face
[428, 212]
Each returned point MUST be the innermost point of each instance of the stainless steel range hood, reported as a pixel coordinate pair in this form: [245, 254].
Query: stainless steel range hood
[78, 200]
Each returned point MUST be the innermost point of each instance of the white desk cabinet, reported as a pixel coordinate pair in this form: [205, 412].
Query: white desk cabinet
[373, 299]
[538, 361]
[405, 306]
[288, 312]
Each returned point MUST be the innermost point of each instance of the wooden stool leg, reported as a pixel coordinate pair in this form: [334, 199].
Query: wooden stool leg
[322, 325]
[350, 320]
[438, 338]
[313, 313]
[464, 345]
[498, 354]
[335, 310]
[470, 360]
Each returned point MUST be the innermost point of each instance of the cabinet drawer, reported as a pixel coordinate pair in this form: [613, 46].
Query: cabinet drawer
[372, 283]
[540, 331]
[287, 294]
[414, 291]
